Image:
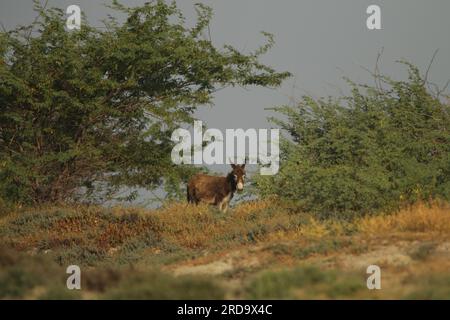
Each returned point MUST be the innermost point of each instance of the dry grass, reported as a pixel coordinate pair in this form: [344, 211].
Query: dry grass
[199, 227]
[422, 218]
[202, 227]
[252, 238]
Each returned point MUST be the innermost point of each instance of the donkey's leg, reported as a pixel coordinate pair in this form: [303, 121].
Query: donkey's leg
[188, 195]
[193, 195]
[224, 205]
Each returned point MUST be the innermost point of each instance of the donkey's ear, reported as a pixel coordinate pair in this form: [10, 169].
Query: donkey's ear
[245, 162]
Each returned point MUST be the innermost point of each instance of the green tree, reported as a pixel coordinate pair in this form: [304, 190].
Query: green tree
[373, 150]
[95, 107]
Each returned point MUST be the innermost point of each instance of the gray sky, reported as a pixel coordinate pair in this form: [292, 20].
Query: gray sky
[318, 41]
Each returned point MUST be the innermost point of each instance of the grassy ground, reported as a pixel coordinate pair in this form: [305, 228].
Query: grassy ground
[259, 249]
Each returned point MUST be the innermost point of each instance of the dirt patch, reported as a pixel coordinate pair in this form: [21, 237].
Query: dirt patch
[392, 255]
[217, 264]
[442, 250]
[212, 268]
[396, 255]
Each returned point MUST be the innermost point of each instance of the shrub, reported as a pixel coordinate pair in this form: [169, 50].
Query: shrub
[430, 287]
[21, 274]
[157, 285]
[303, 282]
[371, 151]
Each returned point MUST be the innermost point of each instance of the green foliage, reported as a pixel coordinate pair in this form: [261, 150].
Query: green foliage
[5, 207]
[157, 285]
[304, 283]
[29, 277]
[430, 287]
[21, 274]
[374, 150]
[95, 108]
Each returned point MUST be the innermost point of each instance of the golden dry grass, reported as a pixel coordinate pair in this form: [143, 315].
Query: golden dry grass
[422, 218]
[201, 227]
[253, 237]
[268, 222]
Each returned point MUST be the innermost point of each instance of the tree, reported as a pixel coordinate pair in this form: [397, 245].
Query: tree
[95, 108]
[374, 150]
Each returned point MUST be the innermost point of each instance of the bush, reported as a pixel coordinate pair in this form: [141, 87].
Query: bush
[6, 207]
[29, 277]
[21, 274]
[430, 287]
[304, 283]
[157, 285]
[371, 151]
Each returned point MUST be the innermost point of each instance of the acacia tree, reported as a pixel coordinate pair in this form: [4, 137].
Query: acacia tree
[95, 107]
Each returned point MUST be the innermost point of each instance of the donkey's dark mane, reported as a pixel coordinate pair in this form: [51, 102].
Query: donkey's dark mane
[231, 181]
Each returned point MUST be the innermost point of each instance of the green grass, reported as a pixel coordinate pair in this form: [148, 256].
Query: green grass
[157, 285]
[20, 274]
[38, 277]
[304, 283]
[430, 287]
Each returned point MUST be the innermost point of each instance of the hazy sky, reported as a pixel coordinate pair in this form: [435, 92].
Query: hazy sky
[318, 41]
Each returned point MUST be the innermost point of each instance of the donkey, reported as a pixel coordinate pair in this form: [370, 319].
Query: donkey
[216, 191]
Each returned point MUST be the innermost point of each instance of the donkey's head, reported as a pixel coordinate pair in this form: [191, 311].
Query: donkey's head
[238, 175]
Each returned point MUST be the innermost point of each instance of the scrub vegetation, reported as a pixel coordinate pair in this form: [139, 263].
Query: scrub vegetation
[364, 179]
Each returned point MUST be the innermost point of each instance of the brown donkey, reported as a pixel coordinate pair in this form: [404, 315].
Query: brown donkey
[217, 191]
